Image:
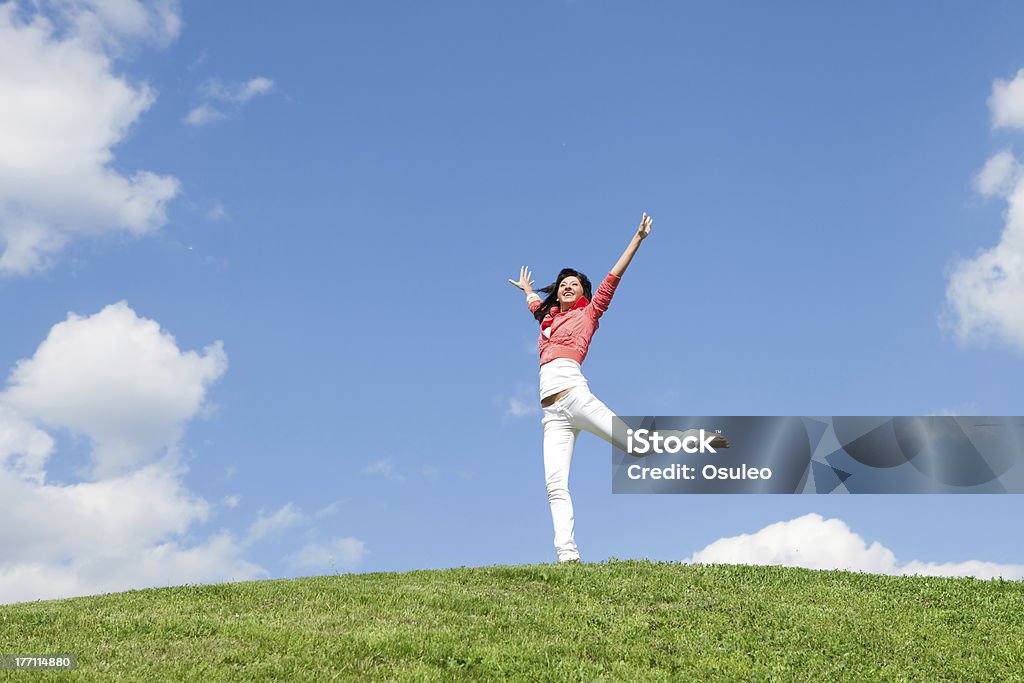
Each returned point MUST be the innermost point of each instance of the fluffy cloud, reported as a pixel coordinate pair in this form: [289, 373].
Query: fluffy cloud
[809, 541]
[24, 448]
[999, 176]
[110, 24]
[64, 110]
[1007, 102]
[117, 379]
[817, 543]
[50, 523]
[123, 382]
[339, 553]
[983, 293]
[217, 559]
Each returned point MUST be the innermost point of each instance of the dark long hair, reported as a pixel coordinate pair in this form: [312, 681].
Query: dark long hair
[552, 291]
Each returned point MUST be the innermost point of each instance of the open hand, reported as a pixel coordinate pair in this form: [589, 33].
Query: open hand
[645, 226]
[524, 283]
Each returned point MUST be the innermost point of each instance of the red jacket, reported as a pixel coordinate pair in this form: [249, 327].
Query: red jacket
[571, 330]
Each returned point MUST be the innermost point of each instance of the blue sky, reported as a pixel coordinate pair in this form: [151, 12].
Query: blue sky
[289, 346]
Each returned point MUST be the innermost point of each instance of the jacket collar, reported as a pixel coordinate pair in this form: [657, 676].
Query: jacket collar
[556, 311]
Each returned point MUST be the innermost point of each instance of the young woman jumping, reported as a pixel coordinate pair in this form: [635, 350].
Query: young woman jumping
[568, 318]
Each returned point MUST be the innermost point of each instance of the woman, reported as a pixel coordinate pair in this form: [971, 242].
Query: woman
[568, 319]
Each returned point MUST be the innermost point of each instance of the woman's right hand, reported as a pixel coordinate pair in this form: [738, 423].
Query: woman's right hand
[524, 280]
[645, 227]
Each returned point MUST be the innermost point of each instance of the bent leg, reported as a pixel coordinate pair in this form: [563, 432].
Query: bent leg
[589, 413]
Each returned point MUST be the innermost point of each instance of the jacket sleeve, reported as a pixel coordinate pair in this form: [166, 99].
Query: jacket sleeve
[534, 302]
[603, 296]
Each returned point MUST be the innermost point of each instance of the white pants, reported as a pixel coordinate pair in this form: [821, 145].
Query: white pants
[563, 420]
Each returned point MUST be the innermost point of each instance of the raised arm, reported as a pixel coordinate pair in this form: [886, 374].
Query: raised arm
[533, 300]
[604, 293]
[641, 234]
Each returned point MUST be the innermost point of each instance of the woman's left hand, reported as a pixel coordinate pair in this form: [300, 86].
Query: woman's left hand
[645, 227]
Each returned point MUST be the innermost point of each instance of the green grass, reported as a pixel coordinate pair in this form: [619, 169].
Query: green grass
[611, 621]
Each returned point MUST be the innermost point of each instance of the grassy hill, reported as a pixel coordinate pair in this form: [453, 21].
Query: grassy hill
[611, 621]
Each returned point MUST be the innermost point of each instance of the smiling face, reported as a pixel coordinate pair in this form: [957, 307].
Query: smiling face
[569, 291]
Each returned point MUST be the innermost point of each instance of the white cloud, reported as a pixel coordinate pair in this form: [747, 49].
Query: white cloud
[217, 213]
[975, 568]
[109, 24]
[517, 407]
[203, 115]
[341, 553]
[123, 382]
[166, 564]
[999, 176]
[813, 542]
[809, 541]
[328, 510]
[232, 94]
[119, 380]
[267, 525]
[64, 110]
[237, 93]
[63, 540]
[983, 293]
[24, 448]
[114, 516]
[522, 402]
[1007, 102]
[384, 468]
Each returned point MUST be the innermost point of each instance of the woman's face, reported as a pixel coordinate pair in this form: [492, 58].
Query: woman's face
[569, 291]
